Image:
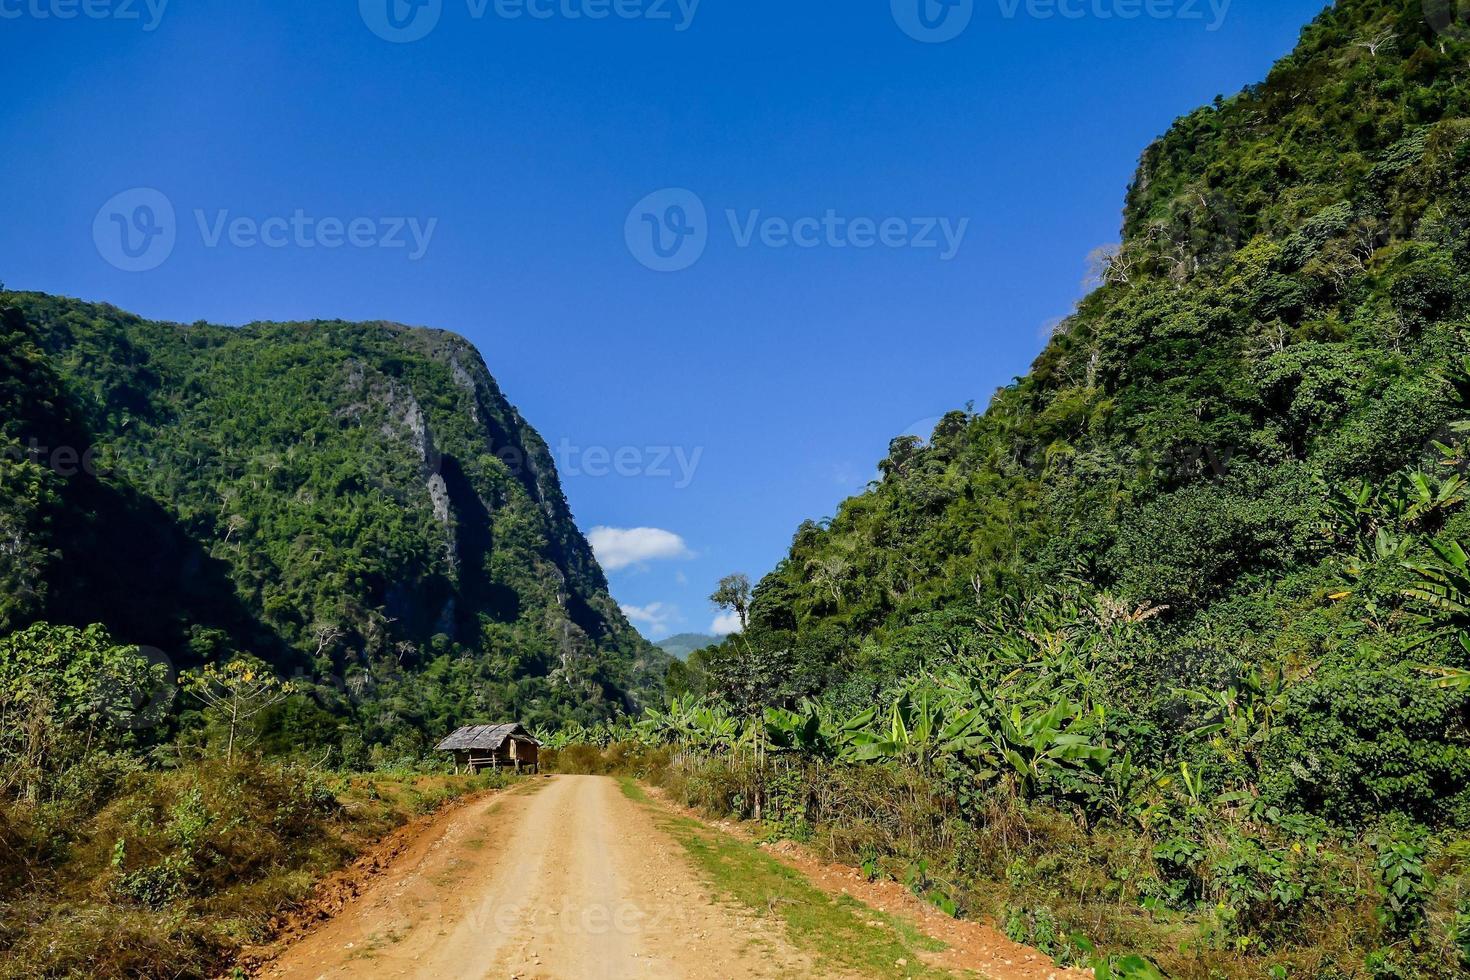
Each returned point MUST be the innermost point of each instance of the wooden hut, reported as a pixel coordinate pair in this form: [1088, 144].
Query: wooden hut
[479, 747]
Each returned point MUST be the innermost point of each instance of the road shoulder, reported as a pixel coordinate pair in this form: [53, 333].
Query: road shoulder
[871, 927]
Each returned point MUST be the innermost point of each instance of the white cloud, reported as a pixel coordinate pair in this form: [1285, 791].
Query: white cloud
[655, 619]
[618, 547]
[725, 624]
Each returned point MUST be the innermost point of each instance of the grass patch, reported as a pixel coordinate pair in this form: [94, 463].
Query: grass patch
[632, 790]
[836, 930]
[180, 868]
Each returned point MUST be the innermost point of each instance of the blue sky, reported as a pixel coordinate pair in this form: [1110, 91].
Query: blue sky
[860, 225]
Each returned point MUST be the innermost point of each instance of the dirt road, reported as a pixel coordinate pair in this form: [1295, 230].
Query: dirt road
[565, 878]
[568, 878]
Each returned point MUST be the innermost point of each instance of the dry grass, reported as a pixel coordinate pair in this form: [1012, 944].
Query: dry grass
[182, 868]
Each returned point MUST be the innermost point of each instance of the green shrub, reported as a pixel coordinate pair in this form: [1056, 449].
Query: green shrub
[1362, 738]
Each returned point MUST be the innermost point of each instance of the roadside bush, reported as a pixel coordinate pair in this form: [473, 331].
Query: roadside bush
[1361, 739]
[575, 760]
[198, 831]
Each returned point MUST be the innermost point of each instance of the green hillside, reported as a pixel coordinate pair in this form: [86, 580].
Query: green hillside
[1242, 435]
[356, 503]
[1168, 649]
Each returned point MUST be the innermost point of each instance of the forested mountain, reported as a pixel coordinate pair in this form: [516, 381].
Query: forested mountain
[356, 503]
[1168, 649]
[1242, 432]
[681, 645]
[1240, 443]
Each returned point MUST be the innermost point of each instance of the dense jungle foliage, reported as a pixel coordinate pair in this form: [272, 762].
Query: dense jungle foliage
[1171, 639]
[1162, 661]
[357, 504]
[247, 578]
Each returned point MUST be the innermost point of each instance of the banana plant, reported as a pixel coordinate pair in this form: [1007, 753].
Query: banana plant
[1360, 509]
[1452, 678]
[1426, 497]
[1453, 455]
[921, 727]
[1027, 747]
[1193, 783]
[1444, 585]
[1244, 713]
[1385, 548]
[1135, 792]
[814, 730]
[714, 729]
[663, 725]
[791, 732]
[1352, 506]
[568, 735]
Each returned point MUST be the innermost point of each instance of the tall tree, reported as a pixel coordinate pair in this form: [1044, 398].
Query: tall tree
[733, 595]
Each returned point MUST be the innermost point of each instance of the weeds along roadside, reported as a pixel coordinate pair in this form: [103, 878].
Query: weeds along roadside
[171, 872]
[1247, 900]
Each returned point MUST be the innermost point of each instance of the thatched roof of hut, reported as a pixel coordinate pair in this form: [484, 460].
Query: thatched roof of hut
[484, 738]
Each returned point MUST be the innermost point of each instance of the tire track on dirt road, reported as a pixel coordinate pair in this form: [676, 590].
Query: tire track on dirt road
[567, 877]
[569, 880]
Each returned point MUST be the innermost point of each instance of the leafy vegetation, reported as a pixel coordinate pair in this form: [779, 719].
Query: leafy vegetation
[1162, 660]
[1168, 647]
[247, 579]
[123, 853]
[178, 869]
[355, 504]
